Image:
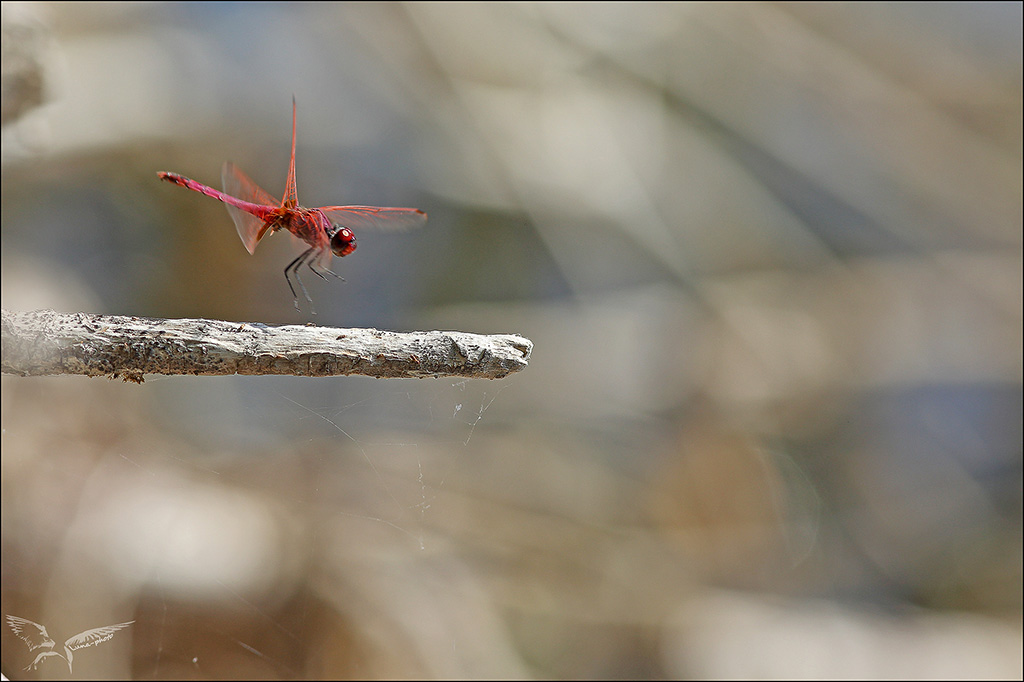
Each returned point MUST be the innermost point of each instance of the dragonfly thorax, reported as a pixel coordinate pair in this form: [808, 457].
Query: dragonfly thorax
[343, 241]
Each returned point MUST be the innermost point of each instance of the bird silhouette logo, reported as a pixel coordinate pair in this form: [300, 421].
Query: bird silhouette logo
[36, 637]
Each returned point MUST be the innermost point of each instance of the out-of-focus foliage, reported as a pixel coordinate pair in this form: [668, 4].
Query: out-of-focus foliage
[770, 256]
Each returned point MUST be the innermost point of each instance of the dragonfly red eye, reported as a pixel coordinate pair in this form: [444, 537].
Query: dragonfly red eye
[343, 242]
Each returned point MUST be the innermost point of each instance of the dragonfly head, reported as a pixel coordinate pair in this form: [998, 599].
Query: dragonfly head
[343, 241]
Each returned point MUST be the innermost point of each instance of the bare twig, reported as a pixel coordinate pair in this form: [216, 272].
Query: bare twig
[46, 342]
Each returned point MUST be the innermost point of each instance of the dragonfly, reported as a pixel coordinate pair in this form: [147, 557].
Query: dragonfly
[327, 231]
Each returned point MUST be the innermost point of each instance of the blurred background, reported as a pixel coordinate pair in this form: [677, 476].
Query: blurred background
[770, 257]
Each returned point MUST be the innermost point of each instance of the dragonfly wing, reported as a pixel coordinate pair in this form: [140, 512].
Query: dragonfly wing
[375, 217]
[238, 184]
[291, 195]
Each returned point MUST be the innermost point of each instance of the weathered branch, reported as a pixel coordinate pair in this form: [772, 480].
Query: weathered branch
[45, 342]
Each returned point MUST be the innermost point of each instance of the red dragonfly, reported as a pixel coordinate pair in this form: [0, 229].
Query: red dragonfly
[327, 230]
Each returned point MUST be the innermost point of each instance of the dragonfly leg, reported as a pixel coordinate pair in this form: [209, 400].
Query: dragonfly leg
[322, 270]
[294, 268]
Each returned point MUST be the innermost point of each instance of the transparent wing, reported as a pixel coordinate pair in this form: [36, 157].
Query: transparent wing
[239, 185]
[375, 217]
[291, 195]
